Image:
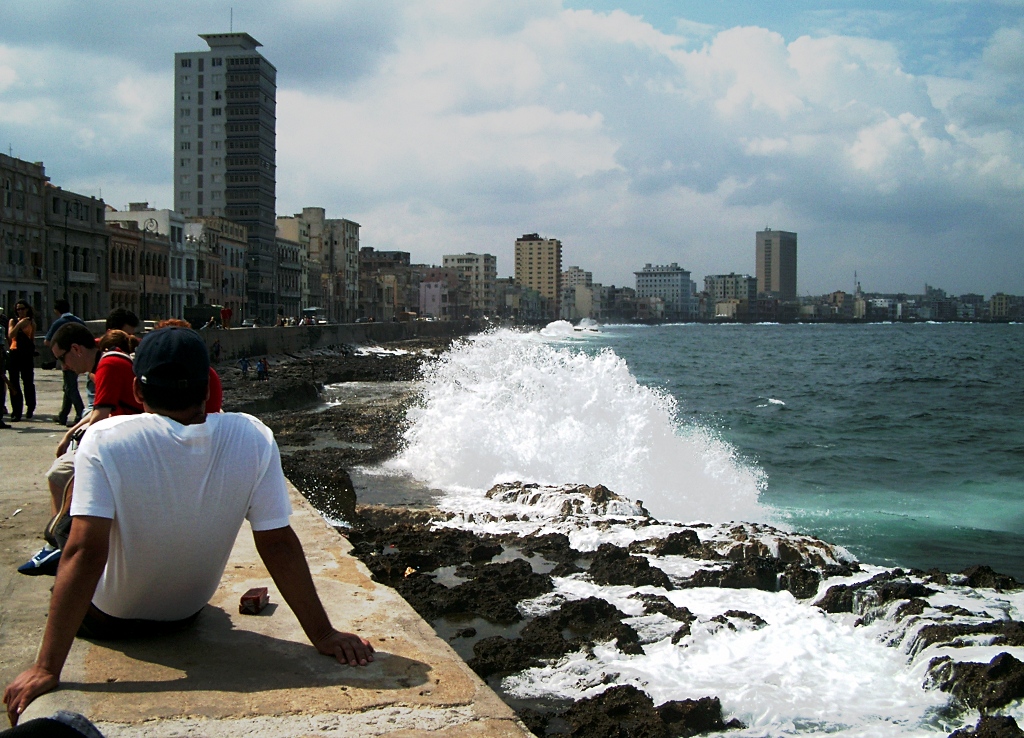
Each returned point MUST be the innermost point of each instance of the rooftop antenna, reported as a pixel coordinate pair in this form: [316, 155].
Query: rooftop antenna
[232, 19]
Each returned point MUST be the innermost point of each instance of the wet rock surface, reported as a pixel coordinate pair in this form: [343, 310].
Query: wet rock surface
[984, 687]
[991, 726]
[626, 712]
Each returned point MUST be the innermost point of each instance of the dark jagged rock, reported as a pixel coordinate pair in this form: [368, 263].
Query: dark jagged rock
[534, 720]
[678, 543]
[618, 712]
[754, 573]
[686, 718]
[801, 581]
[838, 598]
[585, 621]
[390, 552]
[983, 687]
[552, 546]
[626, 712]
[496, 589]
[565, 569]
[879, 590]
[984, 576]
[661, 604]
[614, 565]
[327, 487]
[991, 726]
[915, 606]
[492, 593]
[756, 621]
[958, 635]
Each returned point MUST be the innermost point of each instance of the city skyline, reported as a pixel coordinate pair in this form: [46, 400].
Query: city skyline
[667, 138]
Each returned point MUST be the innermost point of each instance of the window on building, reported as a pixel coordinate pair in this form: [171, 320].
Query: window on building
[185, 112]
[186, 63]
[215, 111]
[185, 145]
[216, 62]
[185, 130]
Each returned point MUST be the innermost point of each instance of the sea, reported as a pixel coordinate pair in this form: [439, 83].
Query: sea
[901, 443]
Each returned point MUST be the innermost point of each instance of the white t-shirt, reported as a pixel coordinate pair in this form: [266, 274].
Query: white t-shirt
[177, 495]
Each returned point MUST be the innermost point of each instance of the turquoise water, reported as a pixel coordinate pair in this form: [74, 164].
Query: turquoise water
[904, 443]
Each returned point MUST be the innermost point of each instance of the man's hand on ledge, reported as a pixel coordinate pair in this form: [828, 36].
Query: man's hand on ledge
[348, 648]
[28, 685]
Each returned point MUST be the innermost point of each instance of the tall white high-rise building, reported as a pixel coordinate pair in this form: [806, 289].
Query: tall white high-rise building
[225, 104]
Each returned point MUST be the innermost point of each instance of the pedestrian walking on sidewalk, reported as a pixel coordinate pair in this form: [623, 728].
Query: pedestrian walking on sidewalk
[72, 397]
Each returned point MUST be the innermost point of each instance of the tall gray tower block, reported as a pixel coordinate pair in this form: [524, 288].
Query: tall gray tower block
[776, 264]
[225, 105]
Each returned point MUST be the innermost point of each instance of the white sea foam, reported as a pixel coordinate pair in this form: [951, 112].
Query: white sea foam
[508, 406]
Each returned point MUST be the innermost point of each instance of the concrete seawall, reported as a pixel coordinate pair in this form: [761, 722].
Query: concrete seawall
[238, 342]
[232, 674]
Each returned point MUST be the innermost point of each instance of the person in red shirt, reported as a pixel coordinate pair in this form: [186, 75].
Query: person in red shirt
[215, 403]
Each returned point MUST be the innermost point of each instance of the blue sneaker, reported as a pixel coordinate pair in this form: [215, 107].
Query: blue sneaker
[44, 562]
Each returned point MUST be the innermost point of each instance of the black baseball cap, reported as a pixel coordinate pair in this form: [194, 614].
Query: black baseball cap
[172, 358]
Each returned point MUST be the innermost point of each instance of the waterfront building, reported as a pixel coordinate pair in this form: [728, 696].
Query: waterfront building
[445, 293]
[517, 302]
[225, 149]
[297, 229]
[574, 276]
[124, 247]
[775, 253]
[78, 245]
[538, 266]
[334, 246]
[730, 286]
[182, 266]
[672, 285]
[481, 274]
[389, 286]
[148, 254]
[230, 242]
[289, 279]
[31, 267]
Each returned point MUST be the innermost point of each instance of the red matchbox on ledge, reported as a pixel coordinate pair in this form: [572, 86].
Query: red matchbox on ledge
[253, 601]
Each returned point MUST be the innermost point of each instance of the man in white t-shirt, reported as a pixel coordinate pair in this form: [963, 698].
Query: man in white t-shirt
[159, 499]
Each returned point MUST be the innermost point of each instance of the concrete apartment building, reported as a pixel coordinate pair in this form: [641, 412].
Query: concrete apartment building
[481, 274]
[334, 249]
[225, 102]
[289, 278]
[575, 276]
[389, 285]
[445, 293]
[670, 284]
[776, 264]
[730, 286]
[538, 266]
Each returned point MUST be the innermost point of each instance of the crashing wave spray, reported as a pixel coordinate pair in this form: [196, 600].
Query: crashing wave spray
[507, 406]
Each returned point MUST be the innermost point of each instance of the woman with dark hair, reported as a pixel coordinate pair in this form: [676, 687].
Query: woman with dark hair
[21, 332]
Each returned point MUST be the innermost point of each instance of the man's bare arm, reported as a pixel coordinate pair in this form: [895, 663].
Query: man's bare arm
[282, 552]
[80, 569]
[97, 414]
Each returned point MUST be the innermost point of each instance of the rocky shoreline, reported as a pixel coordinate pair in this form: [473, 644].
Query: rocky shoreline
[481, 591]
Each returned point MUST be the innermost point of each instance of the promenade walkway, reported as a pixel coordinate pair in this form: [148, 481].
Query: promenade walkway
[234, 674]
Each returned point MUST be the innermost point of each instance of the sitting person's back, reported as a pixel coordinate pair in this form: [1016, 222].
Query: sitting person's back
[200, 482]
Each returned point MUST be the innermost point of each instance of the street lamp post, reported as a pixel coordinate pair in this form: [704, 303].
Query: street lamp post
[148, 226]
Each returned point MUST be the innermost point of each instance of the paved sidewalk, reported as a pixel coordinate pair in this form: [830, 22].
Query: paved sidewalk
[234, 674]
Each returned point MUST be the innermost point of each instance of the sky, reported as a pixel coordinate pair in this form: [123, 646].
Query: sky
[889, 136]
